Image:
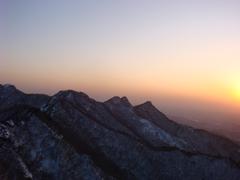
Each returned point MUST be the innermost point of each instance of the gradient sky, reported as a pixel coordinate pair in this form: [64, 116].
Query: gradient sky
[182, 55]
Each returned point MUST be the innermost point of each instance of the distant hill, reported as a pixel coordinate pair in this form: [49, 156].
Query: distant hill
[222, 128]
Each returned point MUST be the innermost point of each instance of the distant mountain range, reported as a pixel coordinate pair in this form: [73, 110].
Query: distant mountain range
[227, 127]
[70, 136]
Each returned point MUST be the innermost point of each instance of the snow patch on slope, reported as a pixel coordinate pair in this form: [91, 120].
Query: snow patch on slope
[158, 133]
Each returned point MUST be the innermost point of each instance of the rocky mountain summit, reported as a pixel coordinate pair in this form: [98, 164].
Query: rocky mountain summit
[70, 136]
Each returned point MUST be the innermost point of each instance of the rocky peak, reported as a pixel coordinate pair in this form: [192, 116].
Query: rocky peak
[126, 101]
[146, 105]
[10, 96]
[8, 88]
[75, 98]
[149, 108]
[116, 100]
[70, 94]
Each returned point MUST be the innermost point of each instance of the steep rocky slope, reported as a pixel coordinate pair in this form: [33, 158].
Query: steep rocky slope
[71, 136]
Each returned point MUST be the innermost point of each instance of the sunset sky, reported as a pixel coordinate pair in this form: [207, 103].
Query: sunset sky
[184, 55]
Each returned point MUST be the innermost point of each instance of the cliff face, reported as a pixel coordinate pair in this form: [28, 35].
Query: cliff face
[71, 136]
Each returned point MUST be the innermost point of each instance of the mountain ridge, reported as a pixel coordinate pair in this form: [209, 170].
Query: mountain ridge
[70, 136]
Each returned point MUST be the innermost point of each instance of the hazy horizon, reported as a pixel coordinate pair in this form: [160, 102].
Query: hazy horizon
[184, 56]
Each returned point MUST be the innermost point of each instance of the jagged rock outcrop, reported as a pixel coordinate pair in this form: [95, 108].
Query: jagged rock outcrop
[71, 136]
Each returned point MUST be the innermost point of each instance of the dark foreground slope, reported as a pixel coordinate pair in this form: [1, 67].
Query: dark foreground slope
[71, 136]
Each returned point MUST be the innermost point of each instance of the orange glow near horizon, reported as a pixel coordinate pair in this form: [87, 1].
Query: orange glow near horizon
[237, 91]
